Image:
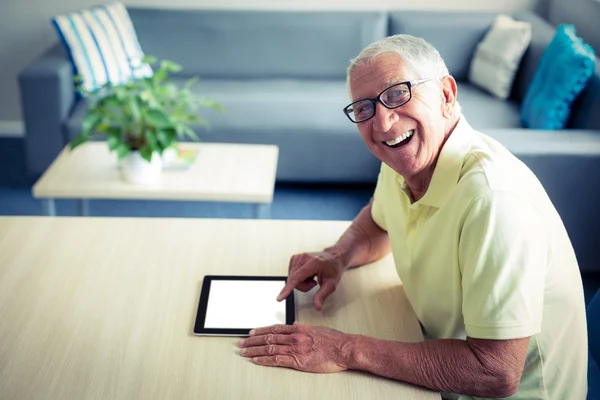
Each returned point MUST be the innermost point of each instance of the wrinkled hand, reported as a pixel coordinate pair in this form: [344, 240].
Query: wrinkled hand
[303, 270]
[302, 347]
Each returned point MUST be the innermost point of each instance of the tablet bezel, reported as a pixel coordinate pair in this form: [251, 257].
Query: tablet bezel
[200, 330]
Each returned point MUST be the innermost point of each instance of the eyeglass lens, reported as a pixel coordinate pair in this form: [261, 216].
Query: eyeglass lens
[392, 97]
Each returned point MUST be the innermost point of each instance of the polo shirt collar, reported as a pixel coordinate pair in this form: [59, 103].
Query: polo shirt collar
[449, 165]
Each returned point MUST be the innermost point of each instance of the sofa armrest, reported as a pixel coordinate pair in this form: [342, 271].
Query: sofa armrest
[47, 98]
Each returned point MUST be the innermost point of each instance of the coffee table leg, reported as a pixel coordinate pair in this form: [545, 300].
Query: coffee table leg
[262, 210]
[49, 207]
[84, 207]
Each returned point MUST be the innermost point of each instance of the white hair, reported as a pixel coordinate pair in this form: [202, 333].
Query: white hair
[416, 53]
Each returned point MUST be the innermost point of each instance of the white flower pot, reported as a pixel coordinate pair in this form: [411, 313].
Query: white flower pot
[136, 170]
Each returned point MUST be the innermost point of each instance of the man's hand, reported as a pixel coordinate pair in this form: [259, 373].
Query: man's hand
[303, 270]
[302, 347]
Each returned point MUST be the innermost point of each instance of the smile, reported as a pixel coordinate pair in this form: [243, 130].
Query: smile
[400, 140]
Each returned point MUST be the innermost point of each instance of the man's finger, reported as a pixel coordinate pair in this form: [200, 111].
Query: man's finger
[326, 289]
[276, 361]
[262, 340]
[308, 270]
[306, 285]
[269, 350]
[296, 262]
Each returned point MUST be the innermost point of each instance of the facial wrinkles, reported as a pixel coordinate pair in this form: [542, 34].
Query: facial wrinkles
[368, 81]
[422, 113]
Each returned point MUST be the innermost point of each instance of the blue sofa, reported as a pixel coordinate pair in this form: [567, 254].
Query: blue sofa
[281, 79]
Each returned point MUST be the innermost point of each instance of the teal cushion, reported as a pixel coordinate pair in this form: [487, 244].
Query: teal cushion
[562, 73]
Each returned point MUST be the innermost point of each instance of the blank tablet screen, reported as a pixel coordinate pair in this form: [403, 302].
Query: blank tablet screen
[232, 305]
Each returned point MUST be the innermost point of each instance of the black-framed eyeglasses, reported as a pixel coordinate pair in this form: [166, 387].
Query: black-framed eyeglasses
[393, 97]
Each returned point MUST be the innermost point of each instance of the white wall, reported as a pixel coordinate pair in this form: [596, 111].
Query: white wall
[25, 31]
[584, 14]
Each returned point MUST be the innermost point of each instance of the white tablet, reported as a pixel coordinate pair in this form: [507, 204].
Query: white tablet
[233, 305]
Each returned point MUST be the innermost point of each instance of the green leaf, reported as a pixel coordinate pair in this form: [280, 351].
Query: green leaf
[166, 137]
[90, 122]
[149, 59]
[146, 153]
[145, 95]
[123, 150]
[200, 122]
[211, 104]
[114, 142]
[160, 76]
[187, 131]
[190, 82]
[152, 141]
[170, 66]
[78, 83]
[121, 93]
[135, 110]
[103, 126]
[157, 118]
[79, 140]
[169, 90]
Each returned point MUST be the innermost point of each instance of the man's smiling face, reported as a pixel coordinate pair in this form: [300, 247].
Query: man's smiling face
[407, 138]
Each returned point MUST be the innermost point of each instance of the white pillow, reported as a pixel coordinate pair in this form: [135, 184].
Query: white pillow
[102, 45]
[499, 54]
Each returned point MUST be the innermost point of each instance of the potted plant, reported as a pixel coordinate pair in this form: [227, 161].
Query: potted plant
[142, 119]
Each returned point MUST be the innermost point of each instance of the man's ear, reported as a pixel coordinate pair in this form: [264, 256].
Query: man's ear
[449, 91]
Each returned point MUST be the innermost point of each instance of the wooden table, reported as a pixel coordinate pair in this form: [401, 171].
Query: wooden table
[222, 172]
[103, 308]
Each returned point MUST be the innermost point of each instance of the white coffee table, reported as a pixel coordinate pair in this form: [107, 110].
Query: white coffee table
[242, 173]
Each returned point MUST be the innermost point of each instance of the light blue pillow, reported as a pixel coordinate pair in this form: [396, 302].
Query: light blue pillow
[102, 45]
[562, 73]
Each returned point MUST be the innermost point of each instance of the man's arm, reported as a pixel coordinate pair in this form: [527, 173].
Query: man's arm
[362, 243]
[475, 367]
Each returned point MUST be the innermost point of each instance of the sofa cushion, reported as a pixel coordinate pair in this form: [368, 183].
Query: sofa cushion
[498, 56]
[102, 45]
[454, 34]
[258, 44]
[563, 72]
[541, 34]
[484, 111]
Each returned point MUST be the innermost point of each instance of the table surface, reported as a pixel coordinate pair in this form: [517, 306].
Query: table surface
[221, 172]
[103, 308]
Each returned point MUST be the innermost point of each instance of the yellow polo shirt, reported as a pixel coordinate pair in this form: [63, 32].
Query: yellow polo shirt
[485, 254]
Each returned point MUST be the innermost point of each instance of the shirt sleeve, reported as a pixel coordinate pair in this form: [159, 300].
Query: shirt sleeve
[503, 256]
[377, 212]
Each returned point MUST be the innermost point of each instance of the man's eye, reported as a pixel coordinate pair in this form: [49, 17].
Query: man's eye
[364, 110]
[397, 94]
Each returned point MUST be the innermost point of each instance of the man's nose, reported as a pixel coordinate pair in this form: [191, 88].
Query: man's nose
[384, 118]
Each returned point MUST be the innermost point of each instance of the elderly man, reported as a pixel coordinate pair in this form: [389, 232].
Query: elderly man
[485, 260]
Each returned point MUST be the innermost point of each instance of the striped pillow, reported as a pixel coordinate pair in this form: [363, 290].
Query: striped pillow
[102, 45]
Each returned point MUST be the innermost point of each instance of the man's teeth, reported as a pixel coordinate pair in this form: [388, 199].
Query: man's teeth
[400, 138]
